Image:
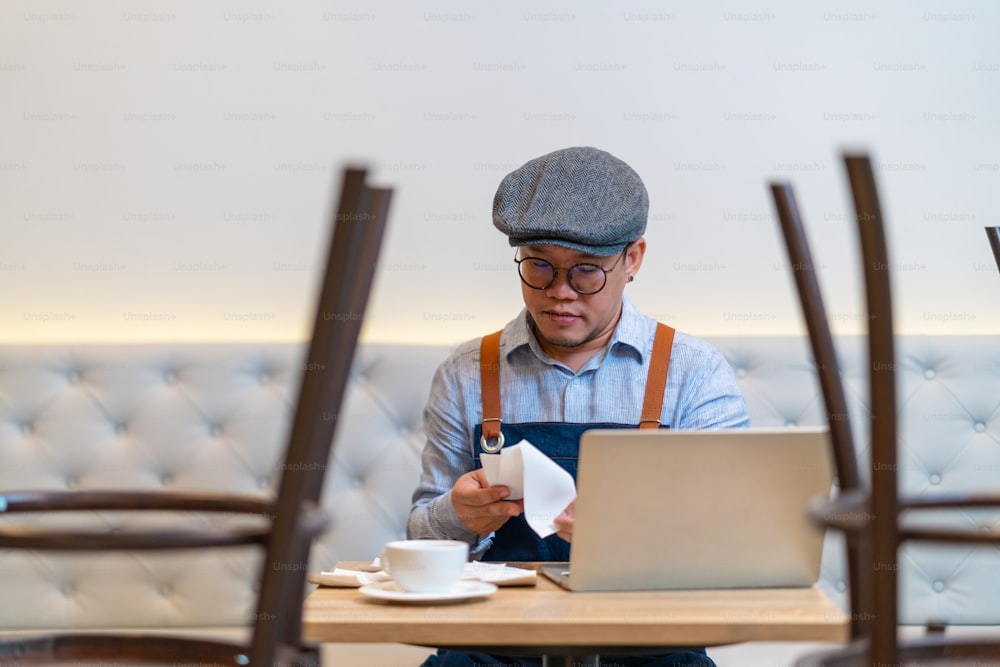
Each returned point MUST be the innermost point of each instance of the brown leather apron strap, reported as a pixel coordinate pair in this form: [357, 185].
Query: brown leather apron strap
[489, 374]
[656, 381]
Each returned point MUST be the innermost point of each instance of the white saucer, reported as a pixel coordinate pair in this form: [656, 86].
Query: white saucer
[463, 590]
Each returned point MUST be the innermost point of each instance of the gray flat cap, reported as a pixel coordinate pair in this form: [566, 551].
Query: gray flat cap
[580, 198]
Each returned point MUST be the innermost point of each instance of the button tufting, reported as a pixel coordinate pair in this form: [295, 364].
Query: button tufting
[262, 482]
[791, 422]
[67, 589]
[929, 374]
[166, 479]
[166, 589]
[71, 481]
[939, 586]
[170, 377]
[357, 482]
[27, 428]
[73, 377]
[215, 430]
[241, 659]
[934, 478]
[980, 427]
[841, 586]
[120, 428]
[741, 372]
[264, 377]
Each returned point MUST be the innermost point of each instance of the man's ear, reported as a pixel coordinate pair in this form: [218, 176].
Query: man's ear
[633, 258]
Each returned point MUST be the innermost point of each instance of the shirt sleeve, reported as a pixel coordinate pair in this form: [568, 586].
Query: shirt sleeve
[447, 455]
[709, 396]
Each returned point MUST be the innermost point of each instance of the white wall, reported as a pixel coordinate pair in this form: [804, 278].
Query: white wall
[167, 168]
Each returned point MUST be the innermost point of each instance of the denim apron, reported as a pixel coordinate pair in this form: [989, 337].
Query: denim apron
[515, 540]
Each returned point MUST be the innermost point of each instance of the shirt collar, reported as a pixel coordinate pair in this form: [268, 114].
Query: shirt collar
[632, 332]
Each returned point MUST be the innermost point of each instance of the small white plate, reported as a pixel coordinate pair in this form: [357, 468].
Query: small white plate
[463, 590]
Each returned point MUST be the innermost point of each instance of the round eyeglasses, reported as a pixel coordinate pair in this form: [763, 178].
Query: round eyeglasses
[584, 278]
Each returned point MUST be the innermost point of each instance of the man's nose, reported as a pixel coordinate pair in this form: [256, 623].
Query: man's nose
[560, 287]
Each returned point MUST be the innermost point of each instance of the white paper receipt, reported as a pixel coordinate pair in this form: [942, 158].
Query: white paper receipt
[546, 488]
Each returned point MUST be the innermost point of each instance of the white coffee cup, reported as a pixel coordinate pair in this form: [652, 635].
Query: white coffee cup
[425, 566]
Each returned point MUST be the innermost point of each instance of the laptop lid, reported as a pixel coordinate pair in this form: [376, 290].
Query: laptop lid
[665, 509]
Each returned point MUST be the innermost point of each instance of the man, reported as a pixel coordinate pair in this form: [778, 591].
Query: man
[577, 357]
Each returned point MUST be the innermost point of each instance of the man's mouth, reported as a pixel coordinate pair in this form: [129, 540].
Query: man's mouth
[560, 318]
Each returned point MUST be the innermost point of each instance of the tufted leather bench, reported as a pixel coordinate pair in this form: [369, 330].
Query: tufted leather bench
[214, 416]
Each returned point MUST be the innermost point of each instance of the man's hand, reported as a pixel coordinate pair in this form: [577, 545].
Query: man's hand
[564, 522]
[481, 507]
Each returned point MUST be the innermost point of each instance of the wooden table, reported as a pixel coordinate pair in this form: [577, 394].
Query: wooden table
[547, 620]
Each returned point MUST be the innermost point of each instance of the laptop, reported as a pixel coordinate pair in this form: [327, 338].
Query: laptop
[716, 509]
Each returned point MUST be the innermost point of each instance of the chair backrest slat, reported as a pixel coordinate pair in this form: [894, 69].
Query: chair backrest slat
[828, 372]
[884, 505]
[993, 233]
[355, 241]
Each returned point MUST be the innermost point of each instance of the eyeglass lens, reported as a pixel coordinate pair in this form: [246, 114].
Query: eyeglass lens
[584, 278]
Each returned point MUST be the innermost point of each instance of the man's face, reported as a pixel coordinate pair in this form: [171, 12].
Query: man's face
[565, 318]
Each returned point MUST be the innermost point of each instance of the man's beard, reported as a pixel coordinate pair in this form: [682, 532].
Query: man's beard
[565, 342]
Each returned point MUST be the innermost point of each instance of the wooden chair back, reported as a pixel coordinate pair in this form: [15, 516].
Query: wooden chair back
[291, 519]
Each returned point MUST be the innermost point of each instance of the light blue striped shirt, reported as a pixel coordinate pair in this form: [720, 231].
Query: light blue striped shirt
[701, 393]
